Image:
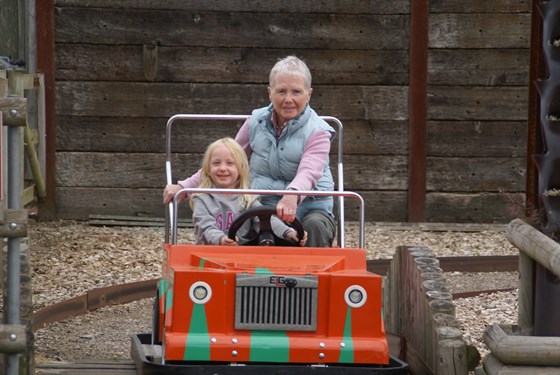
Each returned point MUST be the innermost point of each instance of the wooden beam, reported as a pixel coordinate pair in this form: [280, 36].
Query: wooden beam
[46, 64]
[537, 70]
[417, 104]
[14, 110]
[513, 348]
[535, 244]
[13, 338]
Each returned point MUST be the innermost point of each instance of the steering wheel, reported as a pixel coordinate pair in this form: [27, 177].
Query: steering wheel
[266, 236]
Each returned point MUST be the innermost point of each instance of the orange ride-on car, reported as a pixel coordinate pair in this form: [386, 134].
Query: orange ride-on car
[266, 309]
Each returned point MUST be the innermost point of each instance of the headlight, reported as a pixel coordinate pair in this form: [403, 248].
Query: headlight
[200, 292]
[355, 296]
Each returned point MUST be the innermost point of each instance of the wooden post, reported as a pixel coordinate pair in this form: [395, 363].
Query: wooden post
[525, 314]
[430, 336]
[452, 358]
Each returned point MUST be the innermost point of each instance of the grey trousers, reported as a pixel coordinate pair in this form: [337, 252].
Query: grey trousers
[320, 228]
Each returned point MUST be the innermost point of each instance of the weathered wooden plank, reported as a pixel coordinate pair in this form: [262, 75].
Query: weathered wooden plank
[493, 366]
[471, 30]
[163, 100]
[118, 134]
[121, 170]
[87, 367]
[480, 67]
[251, 29]
[475, 174]
[346, 102]
[513, 348]
[80, 202]
[477, 103]
[14, 110]
[361, 172]
[127, 221]
[484, 207]
[480, 6]
[477, 138]
[328, 6]
[140, 170]
[79, 62]
[10, 41]
[138, 134]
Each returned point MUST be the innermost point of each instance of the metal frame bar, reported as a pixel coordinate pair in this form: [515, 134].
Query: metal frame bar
[169, 175]
[349, 194]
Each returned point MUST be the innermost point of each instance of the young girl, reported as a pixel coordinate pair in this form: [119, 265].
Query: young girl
[225, 166]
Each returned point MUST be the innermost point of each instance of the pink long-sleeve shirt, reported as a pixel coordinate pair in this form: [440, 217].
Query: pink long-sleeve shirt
[315, 154]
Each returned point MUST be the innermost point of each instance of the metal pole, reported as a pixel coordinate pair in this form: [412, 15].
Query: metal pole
[15, 189]
[168, 169]
[349, 194]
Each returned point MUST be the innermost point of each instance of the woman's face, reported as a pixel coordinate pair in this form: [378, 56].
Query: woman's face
[288, 96]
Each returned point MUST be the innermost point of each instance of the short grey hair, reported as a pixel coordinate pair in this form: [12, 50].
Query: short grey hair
[290, 65]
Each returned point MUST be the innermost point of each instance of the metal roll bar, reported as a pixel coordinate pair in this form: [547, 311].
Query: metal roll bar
[350, 194]
[169, 176]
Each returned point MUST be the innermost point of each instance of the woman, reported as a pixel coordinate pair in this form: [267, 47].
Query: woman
[288, 147]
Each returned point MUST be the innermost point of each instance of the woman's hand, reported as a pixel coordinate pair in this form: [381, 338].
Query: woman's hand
[286, 208]
[170, 191]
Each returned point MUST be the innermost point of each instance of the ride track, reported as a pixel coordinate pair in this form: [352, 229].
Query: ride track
[124, 293]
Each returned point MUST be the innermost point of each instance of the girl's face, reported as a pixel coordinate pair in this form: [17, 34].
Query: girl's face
[223, 170]
[288, 96]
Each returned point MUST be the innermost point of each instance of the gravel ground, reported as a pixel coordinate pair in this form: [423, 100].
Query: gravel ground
[69, 258]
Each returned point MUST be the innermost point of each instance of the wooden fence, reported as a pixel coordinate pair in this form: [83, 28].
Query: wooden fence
[515, 351]
[418, 307]
[123, 68]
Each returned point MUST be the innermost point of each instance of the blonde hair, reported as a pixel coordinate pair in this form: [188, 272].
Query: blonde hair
[241, 163]
[290, 65]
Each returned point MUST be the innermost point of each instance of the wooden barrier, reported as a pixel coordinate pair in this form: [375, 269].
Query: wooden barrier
[418, 306]
[514, 350]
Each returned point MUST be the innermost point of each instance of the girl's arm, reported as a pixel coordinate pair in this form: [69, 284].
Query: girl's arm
[206, 229]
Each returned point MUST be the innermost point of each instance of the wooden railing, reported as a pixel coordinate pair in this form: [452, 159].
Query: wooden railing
[514, 350]
[419, 308]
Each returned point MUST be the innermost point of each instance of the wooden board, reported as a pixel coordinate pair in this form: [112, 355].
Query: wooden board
[78, 62]
[327, 6]
[87, 367]
[361, 172]
[259, 29]
[134, 99]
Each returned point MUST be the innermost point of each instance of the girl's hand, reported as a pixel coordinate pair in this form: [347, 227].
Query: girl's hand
[292, 236]
[170, 191]
[226, 241]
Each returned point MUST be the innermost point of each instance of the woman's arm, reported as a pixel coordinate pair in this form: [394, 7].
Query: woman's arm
[313, 161]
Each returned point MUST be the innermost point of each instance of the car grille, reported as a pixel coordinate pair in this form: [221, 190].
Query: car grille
[273, 302]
